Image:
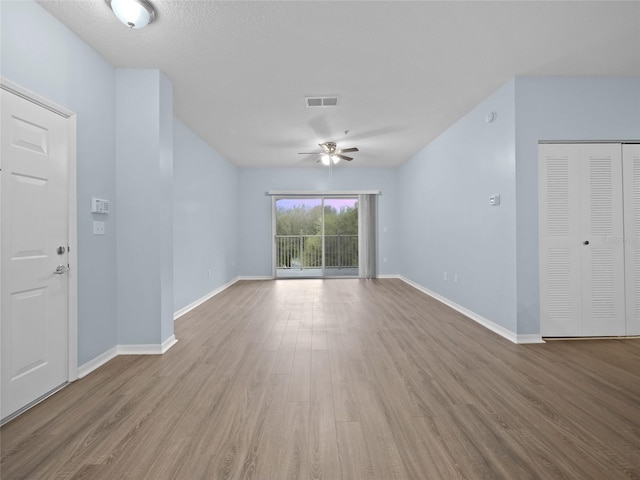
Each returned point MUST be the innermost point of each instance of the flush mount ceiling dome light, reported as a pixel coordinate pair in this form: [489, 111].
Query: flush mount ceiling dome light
[133, 13]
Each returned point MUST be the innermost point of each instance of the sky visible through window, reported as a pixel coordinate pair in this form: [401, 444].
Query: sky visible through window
[337, 203]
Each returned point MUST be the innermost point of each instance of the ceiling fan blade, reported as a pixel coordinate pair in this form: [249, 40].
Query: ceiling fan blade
[343, 157]
[347, 150]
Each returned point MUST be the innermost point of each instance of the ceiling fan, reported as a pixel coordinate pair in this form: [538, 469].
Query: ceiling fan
[331, 154]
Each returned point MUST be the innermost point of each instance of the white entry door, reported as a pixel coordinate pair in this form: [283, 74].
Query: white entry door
[34, 252]
[582, 284]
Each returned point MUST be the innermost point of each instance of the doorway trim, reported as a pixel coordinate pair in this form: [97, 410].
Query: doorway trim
[72, 213]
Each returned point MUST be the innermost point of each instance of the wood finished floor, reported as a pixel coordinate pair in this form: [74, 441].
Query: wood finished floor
[339, 379]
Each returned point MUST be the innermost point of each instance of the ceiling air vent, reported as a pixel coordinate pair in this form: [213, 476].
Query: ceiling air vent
[322, 101]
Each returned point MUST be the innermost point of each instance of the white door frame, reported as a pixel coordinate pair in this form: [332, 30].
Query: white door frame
[72, 213]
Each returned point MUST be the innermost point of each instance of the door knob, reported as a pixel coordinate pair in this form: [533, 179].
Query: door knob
[61, 250]
[60, 269]
[586, 242]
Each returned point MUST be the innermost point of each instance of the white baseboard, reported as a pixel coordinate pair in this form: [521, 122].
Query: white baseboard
[257, 277]
[530, 338]
[203, 299]
[389, 275]
[168, 343]
[91, 365]
[494, 327]
[148, 349]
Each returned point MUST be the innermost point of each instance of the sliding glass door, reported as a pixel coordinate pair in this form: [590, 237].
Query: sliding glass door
[298, 237]
[315, 237]
[340, 237]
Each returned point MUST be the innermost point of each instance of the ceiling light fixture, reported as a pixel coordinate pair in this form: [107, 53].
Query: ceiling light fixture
[325, 159]
[335, 159]
[133, 13]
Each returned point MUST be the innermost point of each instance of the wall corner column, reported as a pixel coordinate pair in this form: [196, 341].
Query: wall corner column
[144, 191]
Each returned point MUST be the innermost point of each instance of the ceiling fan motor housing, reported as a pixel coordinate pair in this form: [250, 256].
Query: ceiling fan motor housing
[331, 152]
[329, 147]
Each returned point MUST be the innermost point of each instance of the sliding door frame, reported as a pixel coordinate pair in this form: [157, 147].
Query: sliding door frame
[322, 196]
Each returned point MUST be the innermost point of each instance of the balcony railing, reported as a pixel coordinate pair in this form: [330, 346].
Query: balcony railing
[305, 251]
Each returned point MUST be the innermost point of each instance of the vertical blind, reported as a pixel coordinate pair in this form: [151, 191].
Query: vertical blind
[368, 251]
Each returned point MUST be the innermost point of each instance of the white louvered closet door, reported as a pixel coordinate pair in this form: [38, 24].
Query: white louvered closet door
[559, 224]
[603, 288]
[631, 175]
[581, 240]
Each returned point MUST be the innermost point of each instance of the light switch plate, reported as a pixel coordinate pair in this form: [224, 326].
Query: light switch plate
[98, 228]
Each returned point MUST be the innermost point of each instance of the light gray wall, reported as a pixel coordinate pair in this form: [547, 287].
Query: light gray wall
[255, 209]
[144, 202]
[560, 108]
[165, 205]
[446, 222]
[42, 55]
[206, 218]
[435, 208]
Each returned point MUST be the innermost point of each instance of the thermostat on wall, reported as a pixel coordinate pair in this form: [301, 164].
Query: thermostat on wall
[99, 205]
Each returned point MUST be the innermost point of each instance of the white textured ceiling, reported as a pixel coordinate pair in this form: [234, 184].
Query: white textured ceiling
[403, 71]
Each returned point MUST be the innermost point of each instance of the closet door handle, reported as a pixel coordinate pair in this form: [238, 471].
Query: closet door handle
[586, 242]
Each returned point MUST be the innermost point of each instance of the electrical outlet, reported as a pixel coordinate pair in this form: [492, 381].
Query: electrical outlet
[444, 275]
[209, 273]
[455, 278]
[384, 259]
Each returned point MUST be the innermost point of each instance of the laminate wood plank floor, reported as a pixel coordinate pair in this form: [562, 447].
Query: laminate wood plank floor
[339, 379]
